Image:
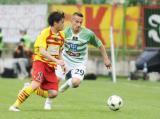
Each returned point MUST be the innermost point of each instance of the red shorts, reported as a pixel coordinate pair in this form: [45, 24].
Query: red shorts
[44, 74]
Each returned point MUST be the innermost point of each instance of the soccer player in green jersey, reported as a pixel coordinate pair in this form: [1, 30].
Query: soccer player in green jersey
[75, 54]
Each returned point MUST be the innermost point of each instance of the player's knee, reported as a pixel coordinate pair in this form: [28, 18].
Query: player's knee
[76, 83]
[35, 85]
[53, 94]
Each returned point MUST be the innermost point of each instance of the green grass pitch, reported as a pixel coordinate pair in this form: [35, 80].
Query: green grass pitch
[141, 101]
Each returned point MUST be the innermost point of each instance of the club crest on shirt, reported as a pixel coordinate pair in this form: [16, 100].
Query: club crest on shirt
[73, 47]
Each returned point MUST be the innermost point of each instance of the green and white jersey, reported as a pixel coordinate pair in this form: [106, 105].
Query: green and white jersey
[76, 45]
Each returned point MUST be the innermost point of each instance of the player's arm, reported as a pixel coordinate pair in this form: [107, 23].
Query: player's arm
[97, 43]
[61, 49]
[63, 67]
[106, 60]
[45, 54]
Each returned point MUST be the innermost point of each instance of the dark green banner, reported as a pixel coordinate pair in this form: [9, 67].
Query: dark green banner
[151, 26]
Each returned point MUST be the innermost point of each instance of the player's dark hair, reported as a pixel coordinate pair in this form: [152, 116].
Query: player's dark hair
[55, 16]
[78, 14]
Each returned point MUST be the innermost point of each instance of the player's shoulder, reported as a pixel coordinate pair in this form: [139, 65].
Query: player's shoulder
[46, 30]
[87, 31]
[67, 29]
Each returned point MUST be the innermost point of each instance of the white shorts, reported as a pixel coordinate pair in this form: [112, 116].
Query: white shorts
[73, 71]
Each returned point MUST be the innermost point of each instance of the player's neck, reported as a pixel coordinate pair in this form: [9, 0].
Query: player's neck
[54, 30]
[76, 31]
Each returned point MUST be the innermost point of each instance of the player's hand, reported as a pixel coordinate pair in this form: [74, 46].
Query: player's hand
[64, 69]
[60, 62]
[107, 63]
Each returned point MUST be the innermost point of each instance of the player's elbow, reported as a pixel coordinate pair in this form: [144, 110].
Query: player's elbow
[42, 51]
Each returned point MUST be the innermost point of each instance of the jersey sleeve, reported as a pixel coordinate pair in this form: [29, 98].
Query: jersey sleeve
[41, 40]
[94, 40]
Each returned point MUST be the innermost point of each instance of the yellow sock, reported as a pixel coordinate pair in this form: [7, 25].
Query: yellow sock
[24, 94]
[41, 92]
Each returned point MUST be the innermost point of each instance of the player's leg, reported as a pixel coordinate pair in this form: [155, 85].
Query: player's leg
[37, 79]
[51, 88]
[37, 74]
[24, 94]
[46, 93]
[50, 84]
[40, 92]
[74, 76]
[60, 76]
[48, 102]
[73, 82]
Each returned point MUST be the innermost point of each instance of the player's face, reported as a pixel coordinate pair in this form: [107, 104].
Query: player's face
[59, 25]
[77, 22]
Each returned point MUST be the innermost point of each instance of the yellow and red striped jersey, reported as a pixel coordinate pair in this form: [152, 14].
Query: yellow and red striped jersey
[52, 42]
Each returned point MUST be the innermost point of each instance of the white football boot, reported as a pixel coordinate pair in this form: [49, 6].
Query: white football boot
[14, 109]
[48, 104]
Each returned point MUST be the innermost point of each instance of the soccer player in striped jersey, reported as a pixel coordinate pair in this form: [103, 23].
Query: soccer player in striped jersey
[75, 53]
[47, 50]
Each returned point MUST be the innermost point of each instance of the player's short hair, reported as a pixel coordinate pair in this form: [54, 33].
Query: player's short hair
[55, 16]
[78, 14]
